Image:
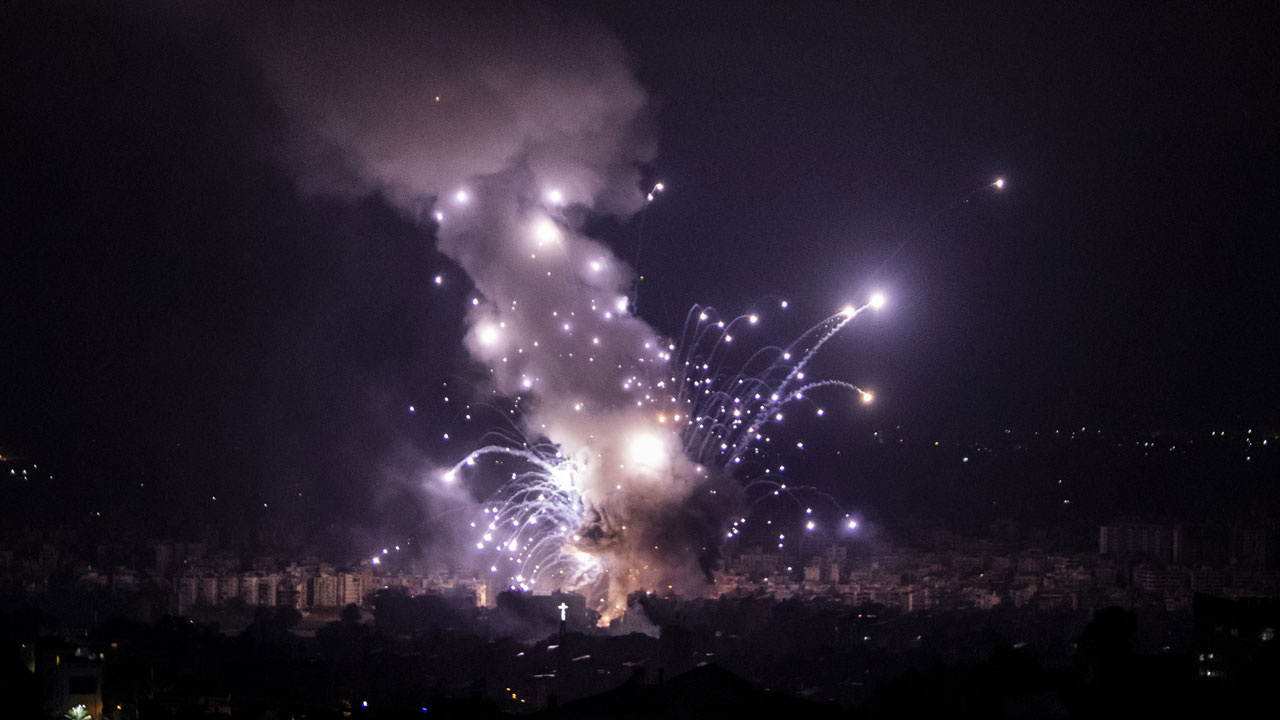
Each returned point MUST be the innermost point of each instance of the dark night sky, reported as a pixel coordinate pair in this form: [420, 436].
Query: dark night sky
[173, 313]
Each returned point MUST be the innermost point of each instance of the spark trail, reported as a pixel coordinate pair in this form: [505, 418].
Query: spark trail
[695, 417]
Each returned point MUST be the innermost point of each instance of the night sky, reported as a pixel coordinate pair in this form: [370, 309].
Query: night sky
[178, 322]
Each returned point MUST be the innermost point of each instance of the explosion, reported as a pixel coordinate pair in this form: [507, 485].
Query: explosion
[635, 490]
[619, 466]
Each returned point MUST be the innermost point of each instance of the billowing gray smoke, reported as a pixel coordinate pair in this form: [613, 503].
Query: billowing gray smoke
[503, 118]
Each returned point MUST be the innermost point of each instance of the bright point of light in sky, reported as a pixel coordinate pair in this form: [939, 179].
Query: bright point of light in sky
[878, 300]
[462, 196]
[555, 197]
[999, 183]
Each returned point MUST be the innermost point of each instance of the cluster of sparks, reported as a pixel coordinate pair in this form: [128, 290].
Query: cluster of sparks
[691, 402]
[694, 410]
[721, 417]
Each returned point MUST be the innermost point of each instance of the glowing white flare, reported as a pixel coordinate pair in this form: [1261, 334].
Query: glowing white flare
[545, 231]
[647, 450]
[487, 335]
[878, 300]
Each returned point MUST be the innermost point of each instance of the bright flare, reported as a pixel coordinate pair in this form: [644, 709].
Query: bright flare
[647, 450]
[546, 231]
[878, 300]
[488, 335]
